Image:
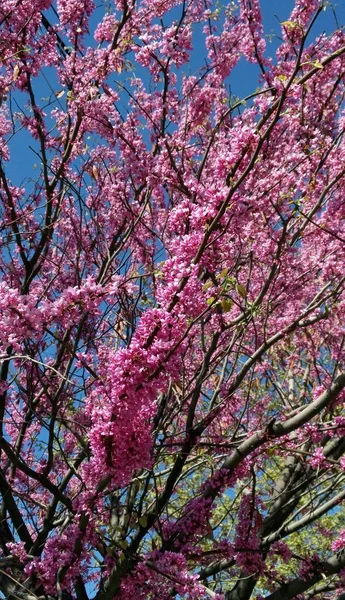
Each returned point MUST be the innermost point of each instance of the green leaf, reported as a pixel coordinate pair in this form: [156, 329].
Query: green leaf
[241, 290]
[227, 304]
[207, 285]
[289, 24]
[142, 521]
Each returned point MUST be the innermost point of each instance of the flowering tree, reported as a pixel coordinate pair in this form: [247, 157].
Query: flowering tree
[172, 302]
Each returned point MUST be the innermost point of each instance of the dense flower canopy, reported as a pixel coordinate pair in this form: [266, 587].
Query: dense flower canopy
[172, 299]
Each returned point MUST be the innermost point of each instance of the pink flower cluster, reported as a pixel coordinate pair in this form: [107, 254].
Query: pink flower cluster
[247, 542]
[339, 544]
[158, 575]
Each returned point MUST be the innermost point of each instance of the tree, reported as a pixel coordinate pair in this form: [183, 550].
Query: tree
[172, 301]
